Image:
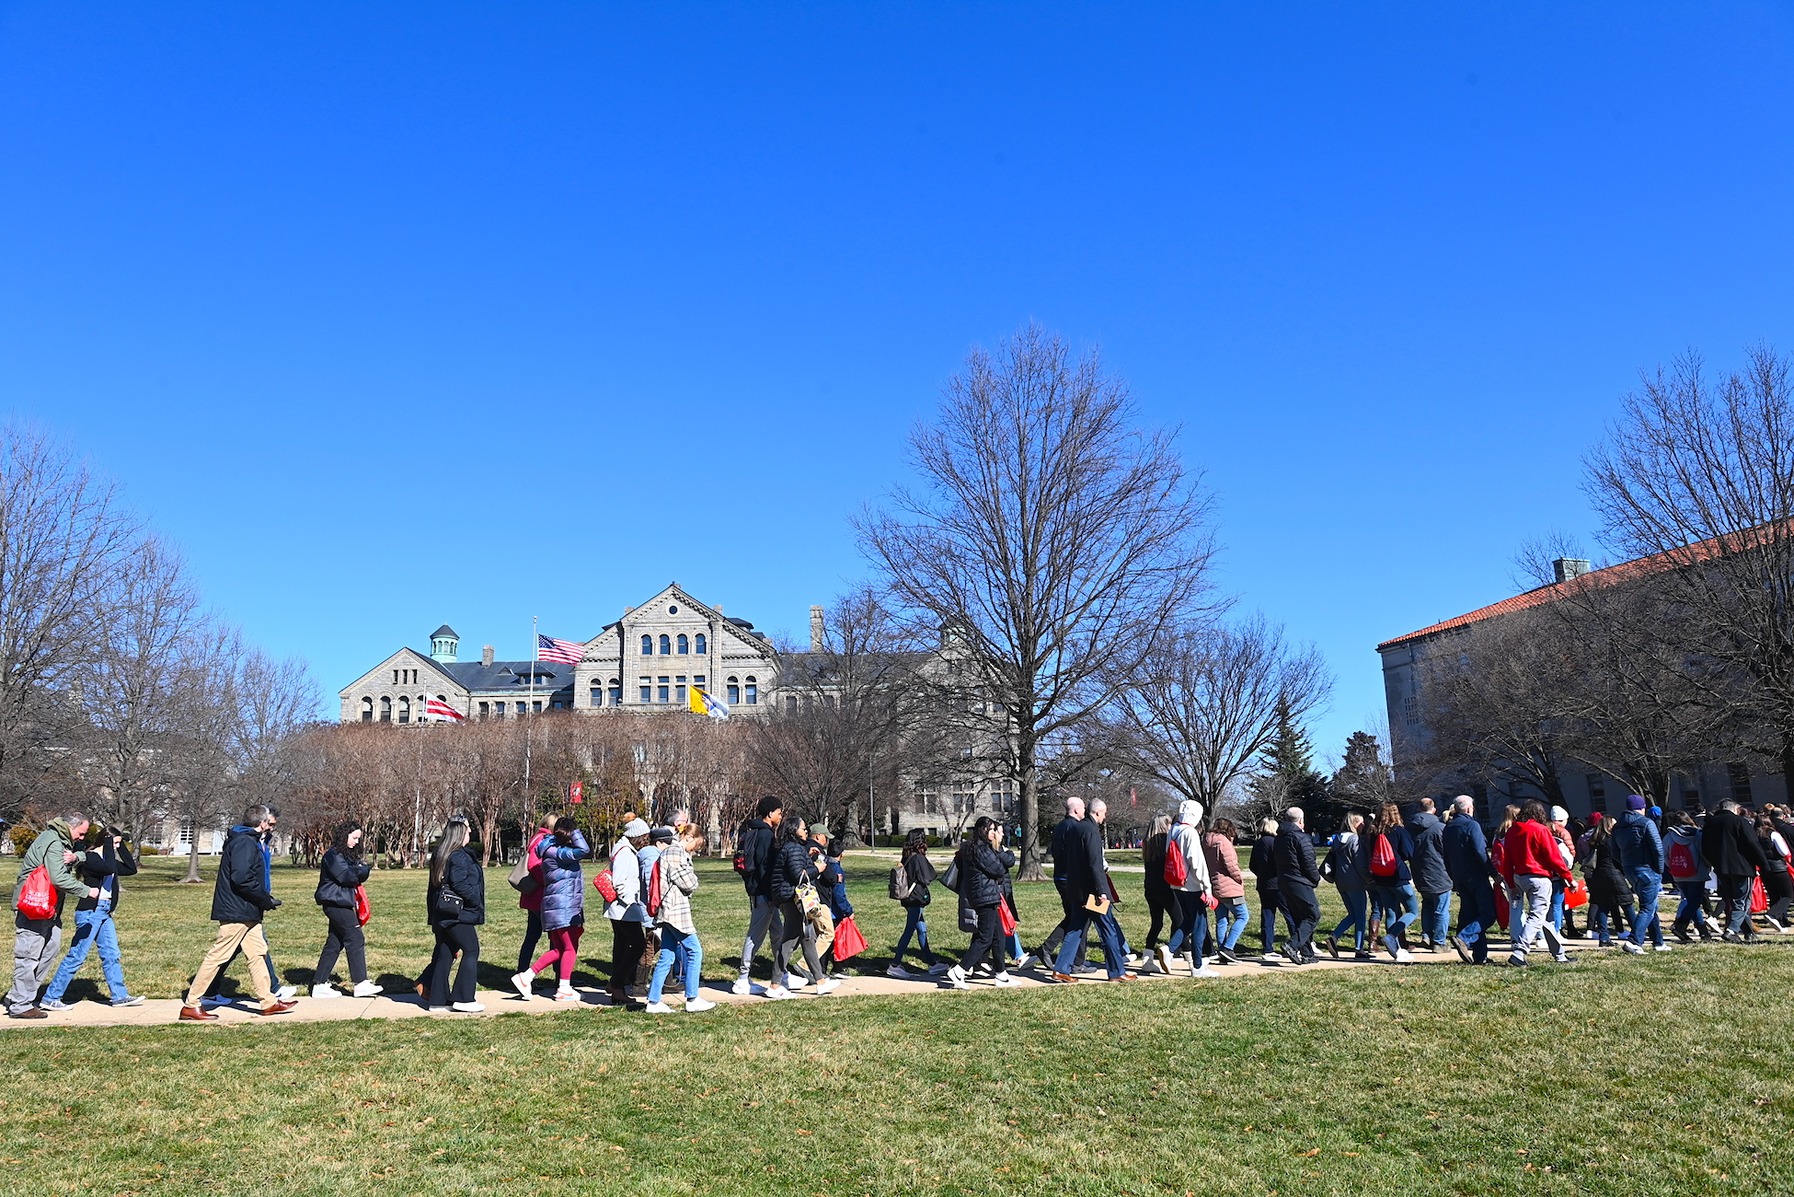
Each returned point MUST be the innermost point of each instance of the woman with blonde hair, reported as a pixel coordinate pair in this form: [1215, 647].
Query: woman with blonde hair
[1158, 894]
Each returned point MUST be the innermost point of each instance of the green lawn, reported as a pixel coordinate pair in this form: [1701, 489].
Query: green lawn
[1613, 1076]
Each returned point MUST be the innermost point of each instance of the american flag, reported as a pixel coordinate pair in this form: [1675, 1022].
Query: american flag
[439, 710]
[566, 652]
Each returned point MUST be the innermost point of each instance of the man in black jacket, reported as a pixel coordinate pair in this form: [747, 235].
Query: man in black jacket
[100, 867]
[754, 844]
[1081, 875]
[239, 900]
[1729, 844]
[1297, 877]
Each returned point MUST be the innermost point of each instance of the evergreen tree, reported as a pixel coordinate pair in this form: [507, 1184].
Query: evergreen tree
[1364, 779]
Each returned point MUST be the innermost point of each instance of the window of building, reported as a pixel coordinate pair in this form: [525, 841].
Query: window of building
[679, 689]
[1411, 709]
[1002, 796]
[666, 645]
[616, 692]
[965, 798]
[734, 691]
[929, 799]
[185, 836]
[698, 681]
[386, 708]
[666, 689]
[702, 647]
[485, 709]
[1597, 793]
[791, 704]
[647, 646]
[367, 710]
[1480, 795]
[395, 677]
[597, 693]
[1738, 775]
[684, 645]
[538, 706]
[752, 692]
[1691, 797]
[404, 708]
[647, 690]
[498, 708]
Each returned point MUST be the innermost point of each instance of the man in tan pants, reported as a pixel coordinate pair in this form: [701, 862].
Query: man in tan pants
[239, 900]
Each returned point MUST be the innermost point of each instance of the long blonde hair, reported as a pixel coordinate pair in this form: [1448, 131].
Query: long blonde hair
[454, 838]
[1509, 817]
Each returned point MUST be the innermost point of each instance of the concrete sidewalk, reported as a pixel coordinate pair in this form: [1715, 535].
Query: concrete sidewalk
[162, 1012]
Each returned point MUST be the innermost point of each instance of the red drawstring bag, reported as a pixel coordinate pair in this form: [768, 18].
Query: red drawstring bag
[1759, 897]
[362, 911]
[848, 940]
[1575, 894]
[1177, 869]
[38, 899]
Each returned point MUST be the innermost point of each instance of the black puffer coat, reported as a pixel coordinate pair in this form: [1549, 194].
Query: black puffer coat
[981, 874]
[338, 876]
[791, 867]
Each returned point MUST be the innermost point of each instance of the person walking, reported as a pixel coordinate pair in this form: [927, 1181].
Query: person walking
[340, 873]
[983, 864]
[1730, 846]
[1530, 860]
[1431, 879]
[1342, 867]
[1472, 877]
[1640, 851]
[99, 868]
[1263, 864]
[1158, 894]
[793, 870]
[1081, 876]
[456, 900]
[1227, 884]
[57, 849]
[1562, 917]
[1778, 887]
[529, 897]
[831, 884]
[1190, 883]
[240, 900]
[1389, 849]
[678, 933]
[1297, 877]
[562, 909]
[1688, 871]
[628, 917]
[916, 875]
[1611, 911]
[754, 861]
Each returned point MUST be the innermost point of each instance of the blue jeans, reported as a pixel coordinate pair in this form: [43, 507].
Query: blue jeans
[1191, 933]
[1647, 885]
[915, 924]
[1435, 917]
[1604, 919]
[1476, 913]
[1556, 916]
[1734, 893]
[674, 942]
[1114, 959]
[93, 928]
[1694, 896]
[1357, 904]
[1398, 906]
[1231, 918]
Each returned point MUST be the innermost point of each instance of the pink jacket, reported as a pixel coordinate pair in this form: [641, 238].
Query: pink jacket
[1223, 866]
[533, 900]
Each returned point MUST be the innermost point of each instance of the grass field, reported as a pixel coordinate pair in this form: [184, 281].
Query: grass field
[1616, 1075]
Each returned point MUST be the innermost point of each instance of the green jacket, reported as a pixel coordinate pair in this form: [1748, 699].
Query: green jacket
[47, 850]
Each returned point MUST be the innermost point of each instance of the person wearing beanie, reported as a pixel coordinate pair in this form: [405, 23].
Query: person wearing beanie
[1561, 918]
[1641, 860]
[628, 916]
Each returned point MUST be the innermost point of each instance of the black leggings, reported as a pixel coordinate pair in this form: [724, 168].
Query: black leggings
[1158, 905]
[627, 942]
[344, 935]
[984, 941]
[456, 937]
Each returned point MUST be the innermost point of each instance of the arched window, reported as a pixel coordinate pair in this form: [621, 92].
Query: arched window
[791, 704]
[684, 644]
[386, 708]
[404, 708]
[666, 645]
[734, 690]
[616, 692]
[367, 710]
[753, 691]
[597, 693]
[702, 647]
[647, 646]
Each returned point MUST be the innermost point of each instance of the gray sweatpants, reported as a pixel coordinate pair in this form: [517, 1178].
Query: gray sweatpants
[763, 919]
[1534, 893]
[34, 949]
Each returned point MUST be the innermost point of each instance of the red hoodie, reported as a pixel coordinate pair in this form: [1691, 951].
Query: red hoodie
[533, 859]
[1530, 850]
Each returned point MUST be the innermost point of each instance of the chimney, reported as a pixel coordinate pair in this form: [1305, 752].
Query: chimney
[816, 634]
[486, 655]
[1569, 567]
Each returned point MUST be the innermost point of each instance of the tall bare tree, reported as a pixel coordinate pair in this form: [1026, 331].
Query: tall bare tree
[1051, 538]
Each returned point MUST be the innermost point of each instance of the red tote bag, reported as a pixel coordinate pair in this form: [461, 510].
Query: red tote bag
[38, 899]
[848, 940]
[363, 912]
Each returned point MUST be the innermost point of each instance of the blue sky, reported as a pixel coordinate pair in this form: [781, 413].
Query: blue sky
[391, 315]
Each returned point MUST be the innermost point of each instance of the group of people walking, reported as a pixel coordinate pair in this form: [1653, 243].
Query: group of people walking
[1394, 874]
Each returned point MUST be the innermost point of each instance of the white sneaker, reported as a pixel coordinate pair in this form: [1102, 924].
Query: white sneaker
[568, 994]
[1630, 948]
[778, 993]
[522, 981]
[286, 993]
[467, 1008]
[795, 982]
[699, 1005]
[1272, 958]
[956, 977]
[1133, 960]
[366, 989]
[827, 985]
[1024, 960]
[1002, 978]
[1206, 973]
[742, 987]
[659, 1008]
[1164, 955]
[1662, 947]
[901, 973]
[1404, 956]
[438, 1009]
[326, 991]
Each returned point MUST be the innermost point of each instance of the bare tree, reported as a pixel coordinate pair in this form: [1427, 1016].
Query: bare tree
[1052, 540]
[1699, 472]
[1206, 702]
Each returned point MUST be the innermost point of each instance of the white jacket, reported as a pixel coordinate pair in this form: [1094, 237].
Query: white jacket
[1184, 838]
[626, 874]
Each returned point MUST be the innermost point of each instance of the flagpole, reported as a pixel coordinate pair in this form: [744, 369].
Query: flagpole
[535, 655]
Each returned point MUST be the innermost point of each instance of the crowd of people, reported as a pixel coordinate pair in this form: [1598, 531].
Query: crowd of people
[1395, 876]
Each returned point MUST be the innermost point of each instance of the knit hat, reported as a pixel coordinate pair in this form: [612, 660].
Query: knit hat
[634, 828]
[1656, 812]
[1595, 818]
[1636, 802]
[1559, 815]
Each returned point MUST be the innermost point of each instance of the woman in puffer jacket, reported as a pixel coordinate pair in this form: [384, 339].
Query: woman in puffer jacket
[983, 866]
[339, 873]
[792, 868]
[1189, 900]
[563, 909]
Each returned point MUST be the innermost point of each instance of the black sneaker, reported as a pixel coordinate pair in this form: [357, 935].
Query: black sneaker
[1457, 941]
[1681, 934]
[1226, 957]
[1333, 946]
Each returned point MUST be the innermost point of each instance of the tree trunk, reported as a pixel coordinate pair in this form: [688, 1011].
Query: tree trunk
[1788, 763]
[1030, 869]
[193, 877]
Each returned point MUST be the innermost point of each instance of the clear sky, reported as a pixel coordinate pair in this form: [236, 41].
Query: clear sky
[392, 315]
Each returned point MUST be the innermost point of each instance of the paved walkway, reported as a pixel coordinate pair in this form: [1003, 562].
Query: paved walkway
[161, 1012]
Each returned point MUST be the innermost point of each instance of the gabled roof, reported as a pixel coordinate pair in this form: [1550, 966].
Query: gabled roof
[423, 659]
[508, 675]
[1613, 575]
